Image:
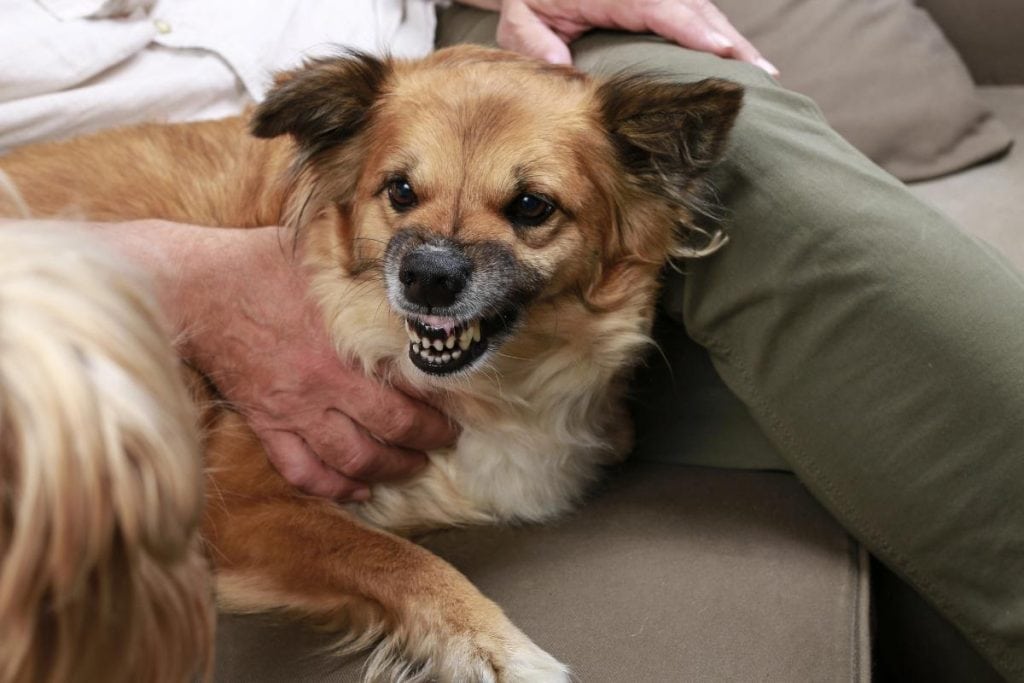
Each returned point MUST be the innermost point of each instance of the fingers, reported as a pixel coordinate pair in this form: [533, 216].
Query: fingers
[744, 49]
[395, 417]
[350, 450]
[543, 30]
[522, 31]
[699, 25]
[294, 460]
[683, 24]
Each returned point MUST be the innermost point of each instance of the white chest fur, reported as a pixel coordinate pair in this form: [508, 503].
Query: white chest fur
[539, 419]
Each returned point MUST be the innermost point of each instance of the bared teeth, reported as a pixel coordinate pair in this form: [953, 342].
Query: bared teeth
[456, 341]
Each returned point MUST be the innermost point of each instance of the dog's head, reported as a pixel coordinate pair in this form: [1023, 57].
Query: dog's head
[475, 185]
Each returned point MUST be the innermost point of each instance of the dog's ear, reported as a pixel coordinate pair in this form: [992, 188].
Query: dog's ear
[665, 132]
[667, 136]
[325, 102]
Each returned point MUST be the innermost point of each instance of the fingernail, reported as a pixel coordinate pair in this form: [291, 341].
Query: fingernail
[767, 66]
[721, 41]
[360, 495]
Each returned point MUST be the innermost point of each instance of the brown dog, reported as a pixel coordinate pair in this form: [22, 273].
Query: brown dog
[488, 228]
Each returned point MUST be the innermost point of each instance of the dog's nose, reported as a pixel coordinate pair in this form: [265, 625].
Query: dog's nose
[433, 277]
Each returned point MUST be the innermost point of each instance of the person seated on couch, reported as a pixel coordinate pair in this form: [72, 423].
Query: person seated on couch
[891, 388]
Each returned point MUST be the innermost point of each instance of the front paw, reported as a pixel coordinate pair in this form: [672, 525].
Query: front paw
[480, 647]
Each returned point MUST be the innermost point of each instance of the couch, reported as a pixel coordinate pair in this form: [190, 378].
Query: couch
[712, 571]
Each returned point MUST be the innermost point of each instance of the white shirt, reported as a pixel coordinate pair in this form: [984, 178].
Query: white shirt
[73, 66]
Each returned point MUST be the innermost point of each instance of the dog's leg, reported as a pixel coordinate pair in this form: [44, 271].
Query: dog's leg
[278, 550]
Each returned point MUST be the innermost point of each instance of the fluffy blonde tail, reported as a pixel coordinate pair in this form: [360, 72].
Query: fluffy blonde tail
[101, 572]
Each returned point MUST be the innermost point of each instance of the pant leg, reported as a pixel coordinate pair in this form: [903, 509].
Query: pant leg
[879, 348]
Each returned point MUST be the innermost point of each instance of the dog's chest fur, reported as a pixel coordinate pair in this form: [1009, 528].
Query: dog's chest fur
[538, 421]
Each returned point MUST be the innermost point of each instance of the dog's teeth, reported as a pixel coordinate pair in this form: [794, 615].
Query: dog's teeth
[449, 343]
[456, 353]
[415, 348]
[465, 339]
[476, 330]
[413, 337]
[425, 341]
[424, 354]
[438, 344]
[445, 357]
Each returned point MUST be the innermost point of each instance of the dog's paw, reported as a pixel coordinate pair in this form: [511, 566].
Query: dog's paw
[506, 656]
[493, 652]
[533, 664]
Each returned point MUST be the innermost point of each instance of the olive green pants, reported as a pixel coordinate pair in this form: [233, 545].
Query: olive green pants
[878, 349]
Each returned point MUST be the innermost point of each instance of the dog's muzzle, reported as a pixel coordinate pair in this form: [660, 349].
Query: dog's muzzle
[459, 300]
[433, 278]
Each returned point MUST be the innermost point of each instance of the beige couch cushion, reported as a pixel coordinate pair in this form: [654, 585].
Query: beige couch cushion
[988, 201]
[883, 74]
[986, 34]
[670, 574]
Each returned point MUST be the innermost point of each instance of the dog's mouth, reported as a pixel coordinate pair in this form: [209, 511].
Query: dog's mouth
[442, 346]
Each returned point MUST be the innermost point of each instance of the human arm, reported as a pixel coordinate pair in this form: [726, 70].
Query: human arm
[545, 28]
[237, 305]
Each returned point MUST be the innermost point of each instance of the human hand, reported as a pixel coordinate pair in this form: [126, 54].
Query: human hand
[327, 428]
[544, 28]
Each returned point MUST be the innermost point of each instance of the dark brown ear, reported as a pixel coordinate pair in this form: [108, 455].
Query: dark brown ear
[665, 132]
[324, 102]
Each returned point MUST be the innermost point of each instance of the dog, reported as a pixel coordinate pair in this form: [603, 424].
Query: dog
[482, 226]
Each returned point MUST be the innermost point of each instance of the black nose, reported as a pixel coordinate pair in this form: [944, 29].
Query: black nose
[433, 276]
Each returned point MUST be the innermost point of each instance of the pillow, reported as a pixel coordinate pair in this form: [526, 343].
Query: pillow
[884, 76]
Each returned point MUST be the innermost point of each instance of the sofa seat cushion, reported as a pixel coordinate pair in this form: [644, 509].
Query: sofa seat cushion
[669, 573]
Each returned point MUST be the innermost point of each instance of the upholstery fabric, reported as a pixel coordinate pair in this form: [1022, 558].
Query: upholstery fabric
[884, 76]
[668, 574]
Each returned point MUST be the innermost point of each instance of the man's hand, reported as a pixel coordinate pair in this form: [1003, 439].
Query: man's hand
[545, 28]
[327, 428]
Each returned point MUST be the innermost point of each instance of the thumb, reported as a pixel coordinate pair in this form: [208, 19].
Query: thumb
[522, 31]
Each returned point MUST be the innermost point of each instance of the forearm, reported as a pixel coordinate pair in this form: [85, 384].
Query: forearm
[191, 268]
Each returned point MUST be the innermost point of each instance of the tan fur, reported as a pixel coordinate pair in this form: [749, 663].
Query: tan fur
[102, 577]
[539, 418]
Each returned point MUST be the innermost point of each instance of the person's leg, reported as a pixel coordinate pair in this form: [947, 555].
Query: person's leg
[879, 348]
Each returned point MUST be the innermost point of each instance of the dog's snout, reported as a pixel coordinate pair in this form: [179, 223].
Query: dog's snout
[434, 277]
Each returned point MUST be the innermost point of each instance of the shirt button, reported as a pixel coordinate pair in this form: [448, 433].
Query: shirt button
[162, 26]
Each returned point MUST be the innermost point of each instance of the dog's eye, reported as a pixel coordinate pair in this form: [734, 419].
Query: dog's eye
[401, 194]
[529, 210]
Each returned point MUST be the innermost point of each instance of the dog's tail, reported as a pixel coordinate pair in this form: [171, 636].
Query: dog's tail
[102, 577]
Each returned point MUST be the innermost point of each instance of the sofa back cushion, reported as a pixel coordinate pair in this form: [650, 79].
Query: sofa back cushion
[883, 74]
